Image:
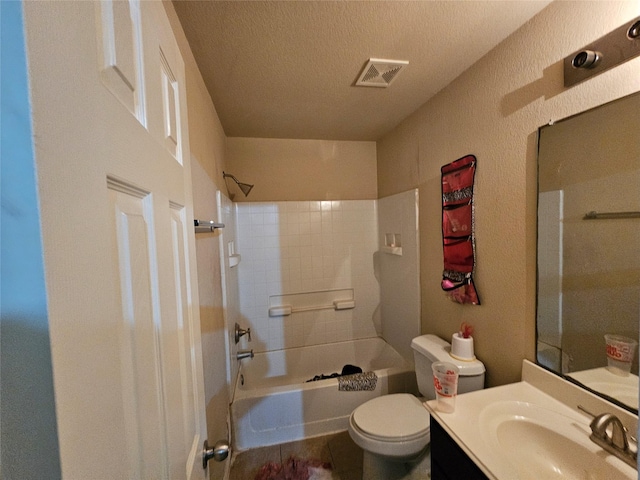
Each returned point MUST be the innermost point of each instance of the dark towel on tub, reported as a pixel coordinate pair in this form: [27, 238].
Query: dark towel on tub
[358, 382]
[346, 370]
[350, 369]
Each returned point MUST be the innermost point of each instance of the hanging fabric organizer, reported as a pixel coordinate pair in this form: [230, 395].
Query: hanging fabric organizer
[458, 241]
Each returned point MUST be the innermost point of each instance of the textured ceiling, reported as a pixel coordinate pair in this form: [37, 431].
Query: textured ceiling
[287, 69]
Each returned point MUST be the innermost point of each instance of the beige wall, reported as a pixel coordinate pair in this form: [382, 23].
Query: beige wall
[300, 170]
[206, 139]
[493, 111]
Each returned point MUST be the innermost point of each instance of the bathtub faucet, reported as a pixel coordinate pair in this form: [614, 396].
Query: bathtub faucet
[244, 354]
[240, 332]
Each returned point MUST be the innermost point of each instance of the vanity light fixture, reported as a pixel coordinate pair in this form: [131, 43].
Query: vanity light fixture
[634, 31]
[614, 48]
[586, 59]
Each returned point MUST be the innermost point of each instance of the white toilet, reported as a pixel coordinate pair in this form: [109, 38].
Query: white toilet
[393, 430]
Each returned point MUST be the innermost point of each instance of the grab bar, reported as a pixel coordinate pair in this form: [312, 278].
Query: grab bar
[288, 303]
[286, 310]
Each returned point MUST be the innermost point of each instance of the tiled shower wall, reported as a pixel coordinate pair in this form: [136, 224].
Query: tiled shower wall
[230, 290]
[296, 247]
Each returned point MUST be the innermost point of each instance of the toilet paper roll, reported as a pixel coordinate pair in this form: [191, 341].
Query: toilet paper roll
[462, 348]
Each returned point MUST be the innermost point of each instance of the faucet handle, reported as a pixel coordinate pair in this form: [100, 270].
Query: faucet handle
[239, 332]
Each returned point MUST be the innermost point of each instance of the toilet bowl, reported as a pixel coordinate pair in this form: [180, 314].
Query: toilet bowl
[400, 436]
[393, 430]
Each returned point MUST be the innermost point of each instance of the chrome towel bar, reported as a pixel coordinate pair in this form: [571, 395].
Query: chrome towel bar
[610, 215]
[206, 226]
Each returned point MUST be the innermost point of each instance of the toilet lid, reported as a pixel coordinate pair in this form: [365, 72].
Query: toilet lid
[400, 415]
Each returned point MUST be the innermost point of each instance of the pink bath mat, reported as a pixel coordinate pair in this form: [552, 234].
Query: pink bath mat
[295, 469]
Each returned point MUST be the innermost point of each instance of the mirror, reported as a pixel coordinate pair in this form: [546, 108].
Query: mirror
[589, 246]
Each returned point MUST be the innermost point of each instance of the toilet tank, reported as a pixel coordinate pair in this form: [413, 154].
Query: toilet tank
[428, 349]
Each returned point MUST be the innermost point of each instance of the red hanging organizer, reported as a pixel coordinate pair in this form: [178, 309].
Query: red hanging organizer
[458, 241]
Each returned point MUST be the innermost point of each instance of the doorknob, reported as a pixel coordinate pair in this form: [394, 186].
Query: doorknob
[219, 452]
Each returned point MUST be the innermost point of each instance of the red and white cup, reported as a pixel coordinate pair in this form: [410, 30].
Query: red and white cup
[620, 353]
[445, 382]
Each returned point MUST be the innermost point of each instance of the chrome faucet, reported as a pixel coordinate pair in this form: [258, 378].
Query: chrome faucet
[244, 354]
[240, 332]
[608, 432]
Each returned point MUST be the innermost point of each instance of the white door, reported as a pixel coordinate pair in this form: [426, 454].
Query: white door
[112, 153]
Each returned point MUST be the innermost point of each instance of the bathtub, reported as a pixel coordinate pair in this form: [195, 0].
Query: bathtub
[273, 403]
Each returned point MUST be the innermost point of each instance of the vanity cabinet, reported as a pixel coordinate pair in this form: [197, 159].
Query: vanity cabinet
[448, 460]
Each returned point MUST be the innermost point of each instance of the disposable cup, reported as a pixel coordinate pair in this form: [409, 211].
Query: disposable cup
[445, 381]
[620, 353]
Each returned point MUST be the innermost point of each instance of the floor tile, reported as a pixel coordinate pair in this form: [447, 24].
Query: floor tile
[349, 475]
[245, 465]
[311, 448]
[337, 449]
[346, 455]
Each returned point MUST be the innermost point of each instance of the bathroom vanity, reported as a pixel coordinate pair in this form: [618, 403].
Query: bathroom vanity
[527, 430]
[448, 460]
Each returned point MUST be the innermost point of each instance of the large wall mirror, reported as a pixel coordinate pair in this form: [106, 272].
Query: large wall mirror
[589, 246]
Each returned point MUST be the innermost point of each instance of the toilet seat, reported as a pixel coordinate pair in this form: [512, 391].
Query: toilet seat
[394, 426]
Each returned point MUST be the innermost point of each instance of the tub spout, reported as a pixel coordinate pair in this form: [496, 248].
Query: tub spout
[244, 354]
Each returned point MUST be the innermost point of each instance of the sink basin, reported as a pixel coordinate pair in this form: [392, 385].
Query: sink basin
[542, 443]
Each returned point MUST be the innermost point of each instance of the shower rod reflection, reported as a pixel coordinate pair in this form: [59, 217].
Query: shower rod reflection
[245, 187]
[610, 215]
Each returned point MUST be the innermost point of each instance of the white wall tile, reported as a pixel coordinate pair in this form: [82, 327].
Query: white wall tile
[293, 247]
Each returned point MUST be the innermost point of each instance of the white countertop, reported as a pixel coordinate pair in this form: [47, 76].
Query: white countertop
[622, 388]
[472, 425]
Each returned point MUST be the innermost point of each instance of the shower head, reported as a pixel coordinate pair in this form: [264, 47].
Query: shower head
[245, 187]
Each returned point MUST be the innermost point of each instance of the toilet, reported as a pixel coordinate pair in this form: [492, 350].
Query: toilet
[393, 430]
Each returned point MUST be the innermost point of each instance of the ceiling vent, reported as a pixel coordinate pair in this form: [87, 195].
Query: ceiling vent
[380, 73]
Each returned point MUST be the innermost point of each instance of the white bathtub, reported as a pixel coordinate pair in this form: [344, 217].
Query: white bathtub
[273, 403]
